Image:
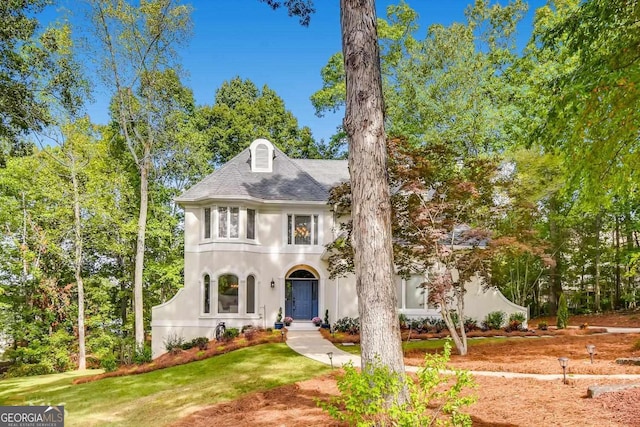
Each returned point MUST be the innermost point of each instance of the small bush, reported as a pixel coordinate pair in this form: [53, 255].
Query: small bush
[543, 326]
[173, 341]
[494, 320]
[250, 334]
[201, 342]
[29, 369]
[363, 399]
[636, 346]
[142, 354]
[403, 320]
[347, 325]
[230, 334]
[109, 363]
[470, 324]
[563, 312]
[438, 325]
[516, 320]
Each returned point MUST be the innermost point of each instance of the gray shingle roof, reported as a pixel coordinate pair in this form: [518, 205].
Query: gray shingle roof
[290, 180]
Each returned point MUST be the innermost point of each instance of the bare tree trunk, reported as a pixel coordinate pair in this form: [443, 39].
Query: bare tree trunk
[140, 246]
[555, 272]
[371, 205]
[596, 283]
[77, 264]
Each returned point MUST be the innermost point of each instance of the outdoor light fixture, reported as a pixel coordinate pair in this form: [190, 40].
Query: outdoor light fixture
[330, 354]
[564, 362]
[591, 349]
[273, 284]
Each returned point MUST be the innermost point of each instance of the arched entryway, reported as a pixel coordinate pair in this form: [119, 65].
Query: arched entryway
[301, 294]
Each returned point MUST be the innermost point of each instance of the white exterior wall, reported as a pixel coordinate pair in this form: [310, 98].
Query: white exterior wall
[269, 257]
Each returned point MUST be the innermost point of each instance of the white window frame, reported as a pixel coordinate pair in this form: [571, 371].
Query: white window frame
[316, 229]
[228, 219]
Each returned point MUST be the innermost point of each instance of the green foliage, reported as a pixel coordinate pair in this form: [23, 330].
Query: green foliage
[201, 342]
[563, 312]
[326, 317]
[142, 354]
[231, 333]
[347, 325]
[173, 341]
[494, 320]
[370, 397]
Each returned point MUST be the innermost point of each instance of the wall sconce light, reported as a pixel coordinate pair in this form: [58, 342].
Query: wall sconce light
[591, 349]
[273, 284]
[564, 362]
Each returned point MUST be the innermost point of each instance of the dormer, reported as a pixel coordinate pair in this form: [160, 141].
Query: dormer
[261, 155]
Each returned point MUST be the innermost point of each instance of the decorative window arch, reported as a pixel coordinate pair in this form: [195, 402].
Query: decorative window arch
[261, 156]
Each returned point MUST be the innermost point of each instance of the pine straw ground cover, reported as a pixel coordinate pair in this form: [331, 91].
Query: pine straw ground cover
[180, 357]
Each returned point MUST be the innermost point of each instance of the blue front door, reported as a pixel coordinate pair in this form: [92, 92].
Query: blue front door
[302, 303]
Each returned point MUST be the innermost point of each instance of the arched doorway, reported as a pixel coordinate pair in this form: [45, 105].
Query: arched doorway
[301, 296]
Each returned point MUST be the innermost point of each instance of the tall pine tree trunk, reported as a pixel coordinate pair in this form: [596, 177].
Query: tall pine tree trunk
[596, 282]
[371, 205]
[138, 305]
[77, 225]
[555, 272]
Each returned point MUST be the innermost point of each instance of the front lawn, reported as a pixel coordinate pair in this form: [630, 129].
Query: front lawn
[162, 396]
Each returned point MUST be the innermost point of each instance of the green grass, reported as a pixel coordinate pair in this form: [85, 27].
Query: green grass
[162, 396]
[426, 344]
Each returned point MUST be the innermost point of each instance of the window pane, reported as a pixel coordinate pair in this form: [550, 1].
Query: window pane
[228, 294]
[315, 229]
[415, 292]
[251, 295]
[223, 229]
[251, 224]
[302, 231]
[207, 294]
[207, 223]
[234, 223]
[289, 228]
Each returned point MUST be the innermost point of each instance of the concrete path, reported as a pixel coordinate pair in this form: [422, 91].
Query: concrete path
[311, 344]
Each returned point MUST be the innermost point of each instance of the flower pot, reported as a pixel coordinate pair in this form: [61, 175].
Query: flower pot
[325, 326]
[278, 325]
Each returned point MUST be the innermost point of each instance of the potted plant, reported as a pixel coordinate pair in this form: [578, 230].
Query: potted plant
[278, 324]
[325, 324]
[316, 321]
[287, 321]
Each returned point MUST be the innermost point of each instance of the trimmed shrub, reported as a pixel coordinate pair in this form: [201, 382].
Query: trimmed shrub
[494, 320]
[347, 325]
[470, 324]
[230, 334]
[515, 322]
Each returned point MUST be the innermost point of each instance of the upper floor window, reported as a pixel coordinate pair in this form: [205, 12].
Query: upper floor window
[261, 152]
[228, 222]
[251, 224]
[302, 229]
[207, 223]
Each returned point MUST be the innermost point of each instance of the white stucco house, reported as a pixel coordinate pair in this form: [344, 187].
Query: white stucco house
[255, 236]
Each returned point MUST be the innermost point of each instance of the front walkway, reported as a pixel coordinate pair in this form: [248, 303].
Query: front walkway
[311, 344]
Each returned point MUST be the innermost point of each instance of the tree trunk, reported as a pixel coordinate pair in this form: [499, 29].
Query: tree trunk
[77, 264]
[140, 246]
[371, 205]
[555, 272]
[618, 270]
[596, 282]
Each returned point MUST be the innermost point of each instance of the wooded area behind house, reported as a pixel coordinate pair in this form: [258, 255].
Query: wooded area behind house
[534, 151]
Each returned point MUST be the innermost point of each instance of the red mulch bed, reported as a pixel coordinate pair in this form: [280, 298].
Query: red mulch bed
[180, 357]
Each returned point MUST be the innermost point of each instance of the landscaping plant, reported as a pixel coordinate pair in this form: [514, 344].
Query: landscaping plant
[563, 313]
[434, 399]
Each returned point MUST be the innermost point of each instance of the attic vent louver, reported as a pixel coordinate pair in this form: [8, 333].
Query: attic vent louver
[262, 157]
[261, 152]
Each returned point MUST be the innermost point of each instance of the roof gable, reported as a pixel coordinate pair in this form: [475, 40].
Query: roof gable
[289, 180]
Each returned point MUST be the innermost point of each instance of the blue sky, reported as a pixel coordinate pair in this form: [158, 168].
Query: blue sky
[246, 38]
